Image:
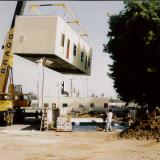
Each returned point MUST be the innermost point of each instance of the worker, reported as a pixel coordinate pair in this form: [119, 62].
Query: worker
[109, 120]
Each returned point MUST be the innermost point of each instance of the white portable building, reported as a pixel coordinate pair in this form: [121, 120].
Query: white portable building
[51, 37]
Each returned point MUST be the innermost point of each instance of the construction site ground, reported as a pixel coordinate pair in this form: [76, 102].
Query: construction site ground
[22, 142]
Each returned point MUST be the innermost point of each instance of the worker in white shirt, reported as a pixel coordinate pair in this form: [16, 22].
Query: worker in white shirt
[109, 120]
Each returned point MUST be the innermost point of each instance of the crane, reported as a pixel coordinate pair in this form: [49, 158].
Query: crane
[10, 101]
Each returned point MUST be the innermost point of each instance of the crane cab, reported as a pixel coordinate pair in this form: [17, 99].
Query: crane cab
[22, 100]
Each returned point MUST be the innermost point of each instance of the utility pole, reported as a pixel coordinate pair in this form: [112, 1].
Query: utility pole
[38, 89]
[87, 87]
[42, 93]
[58, 94]
[71, 87]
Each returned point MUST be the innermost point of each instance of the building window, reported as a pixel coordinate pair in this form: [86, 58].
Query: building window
[92, 105]
[105, 105]
[74, 50]
[46, 105]
[21, 39]
[68, 47]
[82, 56]
[62, 40]
[65, 105]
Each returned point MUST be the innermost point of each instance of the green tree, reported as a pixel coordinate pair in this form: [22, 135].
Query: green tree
[134, 47]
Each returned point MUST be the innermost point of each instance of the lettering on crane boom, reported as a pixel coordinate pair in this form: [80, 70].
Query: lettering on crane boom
[7, 53]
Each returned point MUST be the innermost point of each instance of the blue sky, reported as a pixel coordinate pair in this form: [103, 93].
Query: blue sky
[93, 17]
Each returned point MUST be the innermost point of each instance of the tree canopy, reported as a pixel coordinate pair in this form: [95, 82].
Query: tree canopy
[134, 47]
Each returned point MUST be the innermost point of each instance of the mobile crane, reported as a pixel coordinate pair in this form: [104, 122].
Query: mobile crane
[10, 101]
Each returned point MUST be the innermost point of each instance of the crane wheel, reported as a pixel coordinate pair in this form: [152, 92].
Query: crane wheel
[8, 117]
[4, 116]
[11, 117]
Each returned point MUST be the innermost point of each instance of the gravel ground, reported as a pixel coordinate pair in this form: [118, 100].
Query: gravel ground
[16, 143]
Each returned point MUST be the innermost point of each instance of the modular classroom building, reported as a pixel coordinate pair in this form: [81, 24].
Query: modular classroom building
[51, 37]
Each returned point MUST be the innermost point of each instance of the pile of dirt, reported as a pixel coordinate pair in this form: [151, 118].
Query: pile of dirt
[148, 128]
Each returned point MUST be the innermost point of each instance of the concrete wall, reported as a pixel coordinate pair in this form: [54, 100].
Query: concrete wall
[78, 104]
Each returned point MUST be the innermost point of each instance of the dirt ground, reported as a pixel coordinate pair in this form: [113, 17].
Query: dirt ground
[16, 143]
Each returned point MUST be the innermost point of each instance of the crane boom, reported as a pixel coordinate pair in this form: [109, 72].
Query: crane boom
[10, 101]
[7, 58]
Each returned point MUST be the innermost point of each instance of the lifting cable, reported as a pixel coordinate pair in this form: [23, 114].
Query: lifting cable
[67, 9]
